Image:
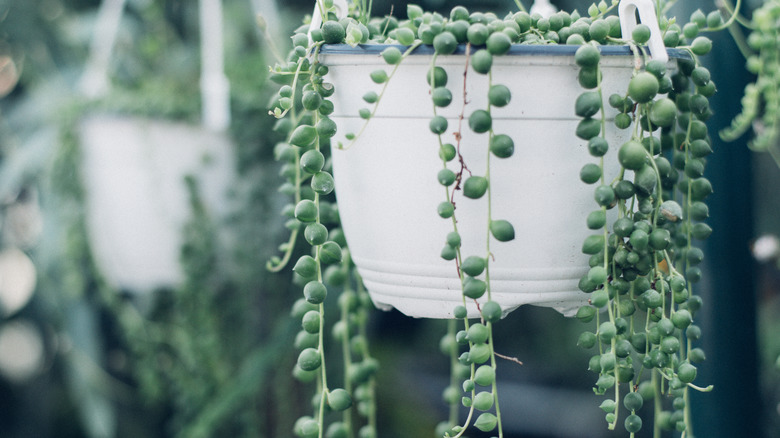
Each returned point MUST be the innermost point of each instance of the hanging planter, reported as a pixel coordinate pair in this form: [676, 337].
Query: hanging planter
[386, 209]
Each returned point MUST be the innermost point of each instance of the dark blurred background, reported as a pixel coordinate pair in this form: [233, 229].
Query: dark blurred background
[203, 346]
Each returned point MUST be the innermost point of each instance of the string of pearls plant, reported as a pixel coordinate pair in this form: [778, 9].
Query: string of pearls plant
[645, 222]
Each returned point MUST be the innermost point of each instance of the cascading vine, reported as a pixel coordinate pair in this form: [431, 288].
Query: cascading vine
[303, 110]
[761, 101]
[478, 363]
[644, 262]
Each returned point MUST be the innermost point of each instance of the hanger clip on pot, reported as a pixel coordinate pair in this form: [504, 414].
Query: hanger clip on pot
[628, 10]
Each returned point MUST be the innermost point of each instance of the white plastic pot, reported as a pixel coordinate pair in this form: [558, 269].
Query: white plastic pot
[388, 193]
[136, 197]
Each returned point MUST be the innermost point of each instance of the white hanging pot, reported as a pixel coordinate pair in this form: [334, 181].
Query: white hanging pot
[137, 201]
[388, 193]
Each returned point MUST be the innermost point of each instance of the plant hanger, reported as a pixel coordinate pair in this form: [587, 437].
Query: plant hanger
[628, 9]
[214, 85]
[94, 81]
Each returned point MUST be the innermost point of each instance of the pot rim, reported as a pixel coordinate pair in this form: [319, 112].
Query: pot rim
[514, 50]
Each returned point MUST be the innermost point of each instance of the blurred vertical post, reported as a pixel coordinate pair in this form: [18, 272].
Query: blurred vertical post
[215, 89]
[94, 81]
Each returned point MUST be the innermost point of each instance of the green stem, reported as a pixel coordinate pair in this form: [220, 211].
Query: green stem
[617, 390]
[657, 406]
[739, 39]
[366, 354]
[382, 93]
[452, 327]
[347, 358]
[728, 22]
[323, 377]
[290, 246]
[688, 415]
[322, 10]
[487, 263]
[494, 387]
[610, 312]
[321, 342]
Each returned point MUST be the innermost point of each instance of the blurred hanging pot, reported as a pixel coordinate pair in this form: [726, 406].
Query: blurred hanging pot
[134, 168]
[137, 202]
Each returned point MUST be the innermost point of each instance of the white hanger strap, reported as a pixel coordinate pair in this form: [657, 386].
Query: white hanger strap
[627, 10]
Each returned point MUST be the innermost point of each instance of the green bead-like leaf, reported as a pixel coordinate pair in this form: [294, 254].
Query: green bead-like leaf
[309, 359]
[379, 76]
[502, 146]
[483, 401]
[392, 55]
[477, 333]
[330, 252]
[339, 400]
[306, 267]
[311, 321]
[479, 353]
[491, 311]
[303, 136]
[333, 32]
[480, 121]
[587, 56]
[315, 292]
[323, 183]
[587, 104]
[441, 96]
[474, 288]
[312, 161]
[404, 36]
[306, 211]
[326, 128]
[502, 230]
[485, 375]
[486, 422]
[445, 43]
[482, 61]
[473, 265]
[475, 187]
[643, 87]
[499, 95]
[438, 125]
